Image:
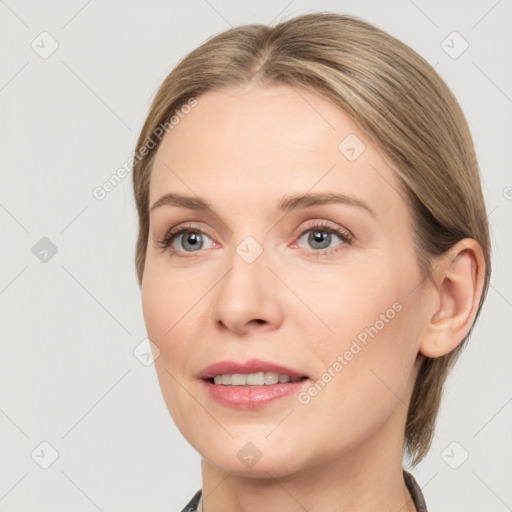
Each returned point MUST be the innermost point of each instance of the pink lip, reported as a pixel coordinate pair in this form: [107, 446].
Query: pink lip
[250, 366]
[249, 397]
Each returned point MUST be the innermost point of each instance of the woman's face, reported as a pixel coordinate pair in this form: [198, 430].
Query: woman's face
[299, 263]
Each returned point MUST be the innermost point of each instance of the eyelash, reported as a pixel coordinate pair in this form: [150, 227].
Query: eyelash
[323, 226]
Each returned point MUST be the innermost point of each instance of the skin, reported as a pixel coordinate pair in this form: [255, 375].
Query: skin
[242, 149]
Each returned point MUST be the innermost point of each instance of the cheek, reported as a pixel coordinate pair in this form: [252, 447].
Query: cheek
[365, 374]
[168, 300]
[157, 305]
[345, 302]
[368, 343]
[167, 309]
[165, 303]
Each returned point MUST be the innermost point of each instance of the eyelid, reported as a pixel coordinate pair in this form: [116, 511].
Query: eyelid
[166, 240]
[345, 236]
[323, 224]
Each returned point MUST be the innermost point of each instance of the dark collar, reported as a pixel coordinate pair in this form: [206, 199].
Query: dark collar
[415, 490]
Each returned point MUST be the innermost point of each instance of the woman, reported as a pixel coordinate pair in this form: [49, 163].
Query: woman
[313, 252]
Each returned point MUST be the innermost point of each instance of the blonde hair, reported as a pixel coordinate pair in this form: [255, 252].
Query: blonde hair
[390, 92]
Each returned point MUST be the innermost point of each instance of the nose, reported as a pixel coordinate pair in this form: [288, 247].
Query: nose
[248, 297]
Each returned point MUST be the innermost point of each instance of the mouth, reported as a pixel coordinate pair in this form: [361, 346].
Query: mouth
[251, 384]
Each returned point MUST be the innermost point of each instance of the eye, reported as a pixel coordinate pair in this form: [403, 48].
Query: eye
[185, 239]
[322, 237]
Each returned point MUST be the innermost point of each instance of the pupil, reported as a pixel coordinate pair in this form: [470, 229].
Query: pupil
[322, 238]
[193, 240]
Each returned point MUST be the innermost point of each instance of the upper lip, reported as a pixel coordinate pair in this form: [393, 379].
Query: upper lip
[249, 366]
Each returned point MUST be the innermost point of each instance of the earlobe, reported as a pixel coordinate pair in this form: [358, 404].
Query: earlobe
[459, 279]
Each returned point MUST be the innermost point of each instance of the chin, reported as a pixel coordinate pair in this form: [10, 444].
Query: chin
[275, 465]
[252, 456]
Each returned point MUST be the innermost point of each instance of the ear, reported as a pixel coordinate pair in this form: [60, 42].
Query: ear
[458, 278]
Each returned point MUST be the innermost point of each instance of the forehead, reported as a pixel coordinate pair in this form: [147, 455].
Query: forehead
[256, 142]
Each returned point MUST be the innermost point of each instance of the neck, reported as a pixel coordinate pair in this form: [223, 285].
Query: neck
[368, 478]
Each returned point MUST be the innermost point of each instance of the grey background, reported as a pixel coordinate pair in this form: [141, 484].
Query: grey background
[70, 324]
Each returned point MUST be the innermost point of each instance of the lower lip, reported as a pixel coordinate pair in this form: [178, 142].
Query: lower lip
[252, 397]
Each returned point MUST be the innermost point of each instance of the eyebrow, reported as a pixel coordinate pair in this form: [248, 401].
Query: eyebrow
[285, 204]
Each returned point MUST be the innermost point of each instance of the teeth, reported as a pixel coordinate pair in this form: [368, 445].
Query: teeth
[253, 379]
[237, 379]
[271, 378]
